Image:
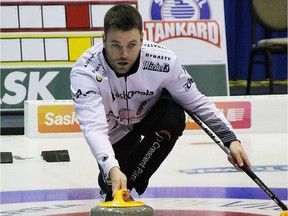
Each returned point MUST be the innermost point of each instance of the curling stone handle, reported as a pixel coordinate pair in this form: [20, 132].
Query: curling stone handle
[119, 196]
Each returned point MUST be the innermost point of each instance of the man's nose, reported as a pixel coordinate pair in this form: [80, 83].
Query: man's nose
[124, 52]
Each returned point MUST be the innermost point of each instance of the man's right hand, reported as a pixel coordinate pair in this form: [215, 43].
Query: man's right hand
[119, 181]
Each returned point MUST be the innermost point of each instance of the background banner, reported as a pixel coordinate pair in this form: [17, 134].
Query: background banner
[41, 40]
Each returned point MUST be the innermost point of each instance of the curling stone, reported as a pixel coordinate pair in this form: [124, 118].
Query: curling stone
[120, 207]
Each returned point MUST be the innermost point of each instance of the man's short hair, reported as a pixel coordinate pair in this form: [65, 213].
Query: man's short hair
[123, 17]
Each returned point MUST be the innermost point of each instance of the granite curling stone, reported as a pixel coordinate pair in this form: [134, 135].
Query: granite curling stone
[120, 207]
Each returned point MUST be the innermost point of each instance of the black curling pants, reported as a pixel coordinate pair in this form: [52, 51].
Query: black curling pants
[141, 151]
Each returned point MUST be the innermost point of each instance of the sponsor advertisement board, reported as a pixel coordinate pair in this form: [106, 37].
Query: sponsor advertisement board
[58, 118]
[195, 30]
[238, 114]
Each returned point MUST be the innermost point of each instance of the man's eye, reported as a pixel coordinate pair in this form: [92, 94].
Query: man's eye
[132, 45]
[116, 45]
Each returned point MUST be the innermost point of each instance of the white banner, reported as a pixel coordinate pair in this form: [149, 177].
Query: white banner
[194, 30]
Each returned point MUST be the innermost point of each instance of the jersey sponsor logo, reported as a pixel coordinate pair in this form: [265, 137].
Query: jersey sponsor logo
[80, 94]
[104, 158]
[142, 165]
[149, 65]
[101, 71]
[97, 68]
[130, 94]
[98, 78]
[141, 107]
[109, 116]
[88, 61]
[157, 56]
[188, 84]
[154, 46]
[182, 18]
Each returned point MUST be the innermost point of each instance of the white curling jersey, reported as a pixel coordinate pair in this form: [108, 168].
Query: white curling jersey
[107, 106]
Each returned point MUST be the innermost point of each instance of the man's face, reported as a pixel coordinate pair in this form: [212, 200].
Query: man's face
[122, 48]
